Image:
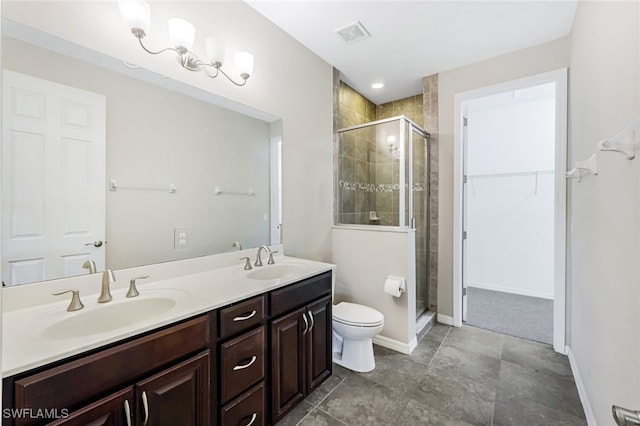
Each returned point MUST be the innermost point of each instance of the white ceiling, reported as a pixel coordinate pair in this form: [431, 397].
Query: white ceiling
[413, 39]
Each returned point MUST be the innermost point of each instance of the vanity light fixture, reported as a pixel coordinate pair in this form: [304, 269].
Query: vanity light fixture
[137, 15]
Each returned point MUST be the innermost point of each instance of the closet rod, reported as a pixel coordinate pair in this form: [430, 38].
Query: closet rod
[531, 173]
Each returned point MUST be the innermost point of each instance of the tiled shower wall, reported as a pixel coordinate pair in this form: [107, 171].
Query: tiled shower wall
[430, 113]
[361, 156]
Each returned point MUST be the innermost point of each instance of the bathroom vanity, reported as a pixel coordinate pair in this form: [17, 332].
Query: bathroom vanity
[227, 353]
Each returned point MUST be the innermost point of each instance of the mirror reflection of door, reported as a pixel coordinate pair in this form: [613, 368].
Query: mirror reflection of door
[53, 179]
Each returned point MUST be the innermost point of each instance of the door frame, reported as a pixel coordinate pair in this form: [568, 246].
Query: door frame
[559, 77]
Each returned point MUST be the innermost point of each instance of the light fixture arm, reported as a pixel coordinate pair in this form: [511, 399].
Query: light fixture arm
[172, 49]
[189, 60]
[218, 67]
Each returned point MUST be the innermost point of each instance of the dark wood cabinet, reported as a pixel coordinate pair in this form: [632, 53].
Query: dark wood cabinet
[113, 410]
[242, 363]
[319, 343]
[301, 343]
[246, 410]
[288, 378]
[177, 396]
[72, 393]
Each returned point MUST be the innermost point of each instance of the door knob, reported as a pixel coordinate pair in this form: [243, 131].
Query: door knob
[95, 244]
[625, 417]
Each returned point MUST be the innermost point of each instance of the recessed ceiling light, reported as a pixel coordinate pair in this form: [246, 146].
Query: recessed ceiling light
[377, 85]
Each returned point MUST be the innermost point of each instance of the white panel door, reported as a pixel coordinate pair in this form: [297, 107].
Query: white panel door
[53, 179]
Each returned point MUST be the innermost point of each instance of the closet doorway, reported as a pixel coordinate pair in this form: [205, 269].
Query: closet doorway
[512, 204]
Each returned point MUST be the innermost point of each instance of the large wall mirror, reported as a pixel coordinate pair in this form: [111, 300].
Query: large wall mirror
[108, 162]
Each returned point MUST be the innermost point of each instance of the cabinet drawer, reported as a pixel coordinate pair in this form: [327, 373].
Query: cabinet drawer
[243, 316]
[247, 409]
[243, 363]
[112, 368]
[296, 295]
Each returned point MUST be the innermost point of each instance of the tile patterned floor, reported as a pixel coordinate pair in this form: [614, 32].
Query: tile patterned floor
[455, 377]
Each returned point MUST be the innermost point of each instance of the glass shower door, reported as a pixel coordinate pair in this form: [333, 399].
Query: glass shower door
[420, 212]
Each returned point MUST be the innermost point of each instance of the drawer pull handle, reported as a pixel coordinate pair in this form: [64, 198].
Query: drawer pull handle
[306, 323]
[145, 405]
[127, 412]
[253, 419]
[312, 320]
[247, 365]
[246, 317]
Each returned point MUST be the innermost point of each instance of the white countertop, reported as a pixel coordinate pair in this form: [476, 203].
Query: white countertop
[25, 344]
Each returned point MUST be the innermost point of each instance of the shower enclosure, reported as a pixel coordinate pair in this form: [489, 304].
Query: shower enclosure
[382, 180]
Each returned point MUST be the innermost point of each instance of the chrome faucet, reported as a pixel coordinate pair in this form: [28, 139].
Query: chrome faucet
[90, 265]
[258, 256]
[105, 291]
[237, 245]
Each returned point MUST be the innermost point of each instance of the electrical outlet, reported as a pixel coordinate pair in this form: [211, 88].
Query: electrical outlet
[181, 238]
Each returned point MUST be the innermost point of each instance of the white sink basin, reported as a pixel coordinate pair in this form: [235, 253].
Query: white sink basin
[272, 272]
[109, 316]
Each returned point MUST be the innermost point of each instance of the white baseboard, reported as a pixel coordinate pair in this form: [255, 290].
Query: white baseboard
[582, 391]
[445, 319]
[486, 286]
[396, 345]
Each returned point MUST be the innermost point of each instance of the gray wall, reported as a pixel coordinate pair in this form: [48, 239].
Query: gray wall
[605, 209]
[156, 137]
[535, 60]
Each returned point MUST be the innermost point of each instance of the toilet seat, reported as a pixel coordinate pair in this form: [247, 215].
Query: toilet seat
[357, 315]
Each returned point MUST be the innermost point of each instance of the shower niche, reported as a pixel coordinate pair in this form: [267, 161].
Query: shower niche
[382, 181]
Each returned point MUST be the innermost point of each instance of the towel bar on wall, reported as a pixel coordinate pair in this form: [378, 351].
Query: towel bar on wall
[218, 191]
[113, 186]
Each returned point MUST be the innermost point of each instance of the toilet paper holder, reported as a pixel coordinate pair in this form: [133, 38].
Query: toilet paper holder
[401, 283]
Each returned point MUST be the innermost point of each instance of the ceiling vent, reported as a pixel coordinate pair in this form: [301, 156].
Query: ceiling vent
[353, 33]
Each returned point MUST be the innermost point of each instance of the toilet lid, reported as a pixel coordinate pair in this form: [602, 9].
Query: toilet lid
[352, 313]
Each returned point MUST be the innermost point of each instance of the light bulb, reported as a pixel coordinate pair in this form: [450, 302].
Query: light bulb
[244, 63]
[136, 14]
[181, 33]
[215, 50]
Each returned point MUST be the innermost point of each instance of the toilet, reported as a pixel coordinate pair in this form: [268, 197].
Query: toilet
[354, 326]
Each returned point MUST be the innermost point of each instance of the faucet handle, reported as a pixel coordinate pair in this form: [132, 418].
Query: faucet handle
[133, 291]
[247, 263]
[76, 303]
[271, 261]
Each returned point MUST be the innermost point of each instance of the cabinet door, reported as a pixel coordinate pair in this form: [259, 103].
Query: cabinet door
[177, 396]
[109, 411]
[319, 343]
[287, 363]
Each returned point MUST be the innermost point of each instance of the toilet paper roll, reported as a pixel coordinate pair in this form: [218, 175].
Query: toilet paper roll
[394, 286]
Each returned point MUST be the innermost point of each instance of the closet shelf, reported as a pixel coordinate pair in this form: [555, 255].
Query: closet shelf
[616, 143]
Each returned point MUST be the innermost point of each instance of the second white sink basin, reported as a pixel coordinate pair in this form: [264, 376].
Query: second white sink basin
[110, 316]
[272, 272]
